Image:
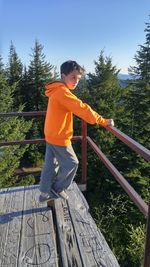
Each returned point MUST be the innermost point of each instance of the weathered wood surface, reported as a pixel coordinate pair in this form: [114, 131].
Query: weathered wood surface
[81, 242]
[26, 230]
[65, 235]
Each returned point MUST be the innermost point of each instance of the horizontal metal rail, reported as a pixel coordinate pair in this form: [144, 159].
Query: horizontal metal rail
[130, 142]
[32, 141]
[23, 114]
[122, 181]
[147, 241]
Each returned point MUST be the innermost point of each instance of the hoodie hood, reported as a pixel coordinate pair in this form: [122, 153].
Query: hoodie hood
[52, 87]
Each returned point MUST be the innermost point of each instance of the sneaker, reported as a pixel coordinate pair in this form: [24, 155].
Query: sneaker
[61, 194]
[45, 197]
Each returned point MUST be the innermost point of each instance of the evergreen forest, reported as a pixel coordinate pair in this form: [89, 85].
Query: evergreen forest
[22, 90]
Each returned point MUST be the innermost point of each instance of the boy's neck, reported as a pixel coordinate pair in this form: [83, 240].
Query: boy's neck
[62, 81]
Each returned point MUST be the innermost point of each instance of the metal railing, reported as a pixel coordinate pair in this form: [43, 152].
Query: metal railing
[141, 150]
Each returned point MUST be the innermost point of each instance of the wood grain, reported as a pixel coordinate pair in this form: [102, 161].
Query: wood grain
[63, 235]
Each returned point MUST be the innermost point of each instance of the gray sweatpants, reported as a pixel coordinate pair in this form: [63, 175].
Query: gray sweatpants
[59, 168]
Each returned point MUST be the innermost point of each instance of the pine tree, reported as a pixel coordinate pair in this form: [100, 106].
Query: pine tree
[11, 129]
[1, 65]
[33, 85]
[140, 93]
[142, 59]
[40, 72]
[24, 89]
[14, 74]
[104, 91]
[136, 115]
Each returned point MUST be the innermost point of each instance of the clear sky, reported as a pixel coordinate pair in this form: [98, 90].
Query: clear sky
[74, 29]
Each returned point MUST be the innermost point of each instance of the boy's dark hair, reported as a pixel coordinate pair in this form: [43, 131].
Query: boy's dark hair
[70, 66]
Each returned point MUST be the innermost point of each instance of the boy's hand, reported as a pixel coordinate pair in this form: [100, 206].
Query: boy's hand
[110, 122]
[106, 122]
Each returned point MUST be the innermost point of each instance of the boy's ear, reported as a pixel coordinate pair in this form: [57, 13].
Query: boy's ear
[62, 76]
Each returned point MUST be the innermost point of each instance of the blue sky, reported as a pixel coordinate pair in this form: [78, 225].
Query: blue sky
[75, 29]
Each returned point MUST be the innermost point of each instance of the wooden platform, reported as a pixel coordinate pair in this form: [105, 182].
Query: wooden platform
[32, 234]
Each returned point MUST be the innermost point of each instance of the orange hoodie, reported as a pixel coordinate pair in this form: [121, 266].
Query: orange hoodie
[62, 104]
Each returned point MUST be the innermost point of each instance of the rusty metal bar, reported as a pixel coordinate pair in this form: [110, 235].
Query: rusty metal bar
[23, 114]
[84, 153]
[147, 241]
[130, 142]
[122, 181]
[32, 141]
[22, 142]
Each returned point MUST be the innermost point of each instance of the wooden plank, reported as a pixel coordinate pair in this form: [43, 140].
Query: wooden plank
[37, 244]
[4, 207]
[10, 225]
[93, 247]
[70, 256]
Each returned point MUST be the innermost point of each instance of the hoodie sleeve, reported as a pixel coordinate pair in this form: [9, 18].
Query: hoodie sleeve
[80, 109]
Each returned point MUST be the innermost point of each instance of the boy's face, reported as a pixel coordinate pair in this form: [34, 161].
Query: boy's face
[71, 79]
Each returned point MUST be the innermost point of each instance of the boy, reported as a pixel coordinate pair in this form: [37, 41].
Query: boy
[61, 162]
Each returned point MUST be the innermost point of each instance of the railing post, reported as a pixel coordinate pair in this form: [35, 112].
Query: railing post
[147, 241]
[83, 184]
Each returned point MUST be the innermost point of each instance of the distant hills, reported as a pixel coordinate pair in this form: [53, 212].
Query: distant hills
[122, 76]
[124, 79]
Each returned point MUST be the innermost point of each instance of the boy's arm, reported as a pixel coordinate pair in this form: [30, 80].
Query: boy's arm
[82, 110]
